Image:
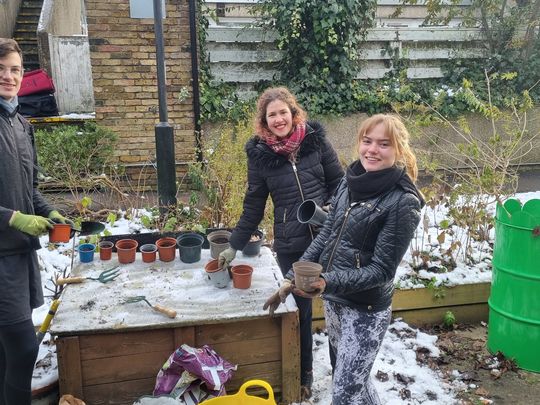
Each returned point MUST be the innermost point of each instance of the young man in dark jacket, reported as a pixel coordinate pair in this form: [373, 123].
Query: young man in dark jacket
[24, 215]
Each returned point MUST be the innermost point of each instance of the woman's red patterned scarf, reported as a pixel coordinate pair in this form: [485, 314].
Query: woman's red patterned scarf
[288, 145]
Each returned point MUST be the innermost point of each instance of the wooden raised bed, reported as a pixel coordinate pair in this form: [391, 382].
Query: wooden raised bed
[110, 354]
[417, 307]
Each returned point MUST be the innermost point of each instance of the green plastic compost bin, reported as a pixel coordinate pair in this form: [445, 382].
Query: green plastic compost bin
[514, 303]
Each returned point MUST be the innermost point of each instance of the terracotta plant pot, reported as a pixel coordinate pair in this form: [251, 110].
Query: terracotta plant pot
[166, 249]
[148, 252]
[60, 233]
[126, 249]
[105, 250]
[306, 273]
[241, 276]
[218, 277]
[219, 241]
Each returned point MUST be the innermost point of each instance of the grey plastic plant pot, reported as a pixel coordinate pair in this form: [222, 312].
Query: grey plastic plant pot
[310, 213]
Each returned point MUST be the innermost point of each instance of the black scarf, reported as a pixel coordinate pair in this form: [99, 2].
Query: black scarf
[365, 185]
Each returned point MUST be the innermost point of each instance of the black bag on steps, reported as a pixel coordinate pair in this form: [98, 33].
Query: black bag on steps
[38, 105]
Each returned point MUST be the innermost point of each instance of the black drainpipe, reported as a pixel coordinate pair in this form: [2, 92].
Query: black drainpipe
[195, 77]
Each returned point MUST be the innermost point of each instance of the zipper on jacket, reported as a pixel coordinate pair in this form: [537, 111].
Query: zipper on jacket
[340, 232]
[357, 256]
[295, 171]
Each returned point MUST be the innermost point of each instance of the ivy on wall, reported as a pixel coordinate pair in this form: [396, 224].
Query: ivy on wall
[320, 40]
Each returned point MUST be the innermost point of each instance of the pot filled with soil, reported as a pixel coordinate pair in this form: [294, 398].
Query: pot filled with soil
[219, 241]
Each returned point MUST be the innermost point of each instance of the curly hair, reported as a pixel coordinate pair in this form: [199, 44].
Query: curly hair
[273, 94]
[399, 137]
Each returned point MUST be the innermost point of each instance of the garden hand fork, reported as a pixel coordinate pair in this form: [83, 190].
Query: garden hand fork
[104, 277]
[171, 313]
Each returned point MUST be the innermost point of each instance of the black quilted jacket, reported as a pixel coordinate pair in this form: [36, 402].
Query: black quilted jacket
[269, 173]
[18, 182]
[362, 243]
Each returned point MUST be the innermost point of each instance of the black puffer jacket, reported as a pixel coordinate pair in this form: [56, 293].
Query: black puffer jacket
[18, 182]
[269, 173]
[362, 244]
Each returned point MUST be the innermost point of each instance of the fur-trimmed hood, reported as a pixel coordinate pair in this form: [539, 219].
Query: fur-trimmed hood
[265, 158]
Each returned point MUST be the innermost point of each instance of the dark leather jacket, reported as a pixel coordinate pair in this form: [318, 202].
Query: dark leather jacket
[362, 243]
[18, 182]
[318, 172]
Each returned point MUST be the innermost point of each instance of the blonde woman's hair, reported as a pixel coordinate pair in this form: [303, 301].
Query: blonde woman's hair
[399, 138]
[273, 94]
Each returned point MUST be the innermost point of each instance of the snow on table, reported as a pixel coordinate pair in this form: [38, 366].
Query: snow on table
[92, 306]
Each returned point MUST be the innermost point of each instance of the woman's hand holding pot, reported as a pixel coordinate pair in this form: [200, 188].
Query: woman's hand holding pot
[319, 286]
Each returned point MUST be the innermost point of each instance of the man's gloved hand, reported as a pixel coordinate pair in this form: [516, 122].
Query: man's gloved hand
[59, 218]
[226, 257]
[279, 296]
[319, 285]
[34, 225]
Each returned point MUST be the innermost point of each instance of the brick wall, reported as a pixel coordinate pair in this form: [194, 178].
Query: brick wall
[124, 73]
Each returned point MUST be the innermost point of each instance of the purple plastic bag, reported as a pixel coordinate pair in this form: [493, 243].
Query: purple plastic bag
[194, 374]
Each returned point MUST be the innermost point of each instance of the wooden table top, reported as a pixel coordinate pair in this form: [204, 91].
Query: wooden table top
[93, 307]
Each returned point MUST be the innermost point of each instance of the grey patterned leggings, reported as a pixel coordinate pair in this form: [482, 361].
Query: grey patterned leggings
[355, 338]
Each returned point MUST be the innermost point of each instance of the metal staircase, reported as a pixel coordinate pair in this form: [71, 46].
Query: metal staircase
[25, 32]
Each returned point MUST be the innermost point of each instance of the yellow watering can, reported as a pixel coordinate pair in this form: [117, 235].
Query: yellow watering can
[241, 398]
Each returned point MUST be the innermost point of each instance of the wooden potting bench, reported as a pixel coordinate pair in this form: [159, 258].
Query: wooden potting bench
[110, 352]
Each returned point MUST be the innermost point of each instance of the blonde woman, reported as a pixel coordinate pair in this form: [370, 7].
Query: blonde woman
[374, 213]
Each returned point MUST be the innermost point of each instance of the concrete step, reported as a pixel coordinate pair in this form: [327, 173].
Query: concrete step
[32, 4]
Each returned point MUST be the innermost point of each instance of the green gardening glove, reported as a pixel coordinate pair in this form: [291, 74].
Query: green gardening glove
[59, 218]
[34, 225]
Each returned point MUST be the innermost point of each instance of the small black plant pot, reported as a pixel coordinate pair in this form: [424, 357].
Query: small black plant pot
[253, 248]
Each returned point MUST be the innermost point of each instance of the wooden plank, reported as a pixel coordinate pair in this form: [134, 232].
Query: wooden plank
[123, 344]
[269, 372]
[238, 331]
[123, 368]
[425, 298]
[72, 73]
[118, 393]
[235, 55]
[253, 351]
[239, 34]
[184, 336]
[472, 313]
[420, 34]
[69, 366]
[290, 358]
[240, 56]
[242, 73]
[419, 306]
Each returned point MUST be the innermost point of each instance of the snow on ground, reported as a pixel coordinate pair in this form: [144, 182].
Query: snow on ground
[397, 373]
